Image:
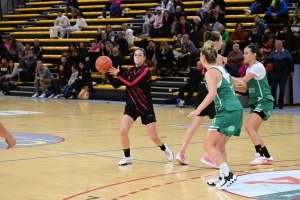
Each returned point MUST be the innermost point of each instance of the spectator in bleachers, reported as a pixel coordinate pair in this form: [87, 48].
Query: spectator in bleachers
[110, 47]
[3, 72]
[254, 8]
[66, 54]
[184, 27]
[196, 26]
[103, 50]
[225, 38]
[277, 12]
[283, 67]
[288, 39]
[267, 48]
[221, 3]
[217, 17]
[158, 22]
[117, 61]
[178, 3]
[25, 50]
[144, 41]
[92, 55]
[84, 78]
[110, 33]
[63, 76]
[43, 77]
[80, 24]
[177, 41]
[122, 44]
[177, 14]
[167, 5]
[188, 52]
[72, 54]
[4, 52]
[271, 29]
[204, 10]
[265, 5]
[65, 91]
[234, 60]
[295, 25]
[190, 87]
[200, 38]
[167, 24]
[149, 20]
[111, 6]
[11, 78]
[60, 23]
[238, 35]
[128, 34]
[254, 37]
[73, 6]
[165, 58]
[37, 49]
[98, 37]
[27, 65]
[15, 48]
[81, 52]
[261, 26]
[105, 39]
[151, 55]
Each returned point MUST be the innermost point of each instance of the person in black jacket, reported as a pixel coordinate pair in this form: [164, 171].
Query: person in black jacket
[73, 6]
[196, 26]
[116, 60]
[254, 37]
[184, 27]
[190, 87]
[167, 24]
[217, 17]
[84, 79]
[37, 49]
[165, 58]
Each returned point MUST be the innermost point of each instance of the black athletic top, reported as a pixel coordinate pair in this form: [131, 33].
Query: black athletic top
[138, 88]
[202, 83]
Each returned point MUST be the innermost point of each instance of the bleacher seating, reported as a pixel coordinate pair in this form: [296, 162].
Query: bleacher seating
[36, 18]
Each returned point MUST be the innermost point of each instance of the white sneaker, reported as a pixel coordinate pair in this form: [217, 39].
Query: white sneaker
[226, 181]
[100, 17]
[169, 154]
[108, 16]
[125, 161]
[55, 97]
[181, 104]
[258, 160]
[51, 96]
[247, 11]
[35, 95]
[43, 95]
[214, 182]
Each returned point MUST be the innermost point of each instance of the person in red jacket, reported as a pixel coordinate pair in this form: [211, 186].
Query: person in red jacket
[238, 35]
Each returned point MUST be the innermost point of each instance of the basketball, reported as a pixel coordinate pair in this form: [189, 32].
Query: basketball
[269, 67]
[103, 64]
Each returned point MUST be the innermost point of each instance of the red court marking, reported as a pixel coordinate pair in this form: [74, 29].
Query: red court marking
[145, 189]
[195, 177]
[156, 186]
[169, 183]
[148, 177]
[133, 192]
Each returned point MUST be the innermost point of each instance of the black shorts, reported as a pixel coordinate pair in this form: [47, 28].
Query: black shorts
[146, 119]
[210, 110]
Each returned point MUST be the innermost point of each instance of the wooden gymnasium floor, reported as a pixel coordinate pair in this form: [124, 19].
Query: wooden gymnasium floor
[85, 164]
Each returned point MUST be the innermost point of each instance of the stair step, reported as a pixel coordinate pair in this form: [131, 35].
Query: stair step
[21, 93]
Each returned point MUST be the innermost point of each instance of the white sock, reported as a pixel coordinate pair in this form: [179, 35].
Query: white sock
[224, 169]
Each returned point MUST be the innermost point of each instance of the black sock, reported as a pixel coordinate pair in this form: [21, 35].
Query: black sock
[258, 149]
[127, 152]
[264, 150]
[162, 147]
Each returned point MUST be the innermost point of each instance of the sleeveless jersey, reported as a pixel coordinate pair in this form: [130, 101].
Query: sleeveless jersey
[258, 87]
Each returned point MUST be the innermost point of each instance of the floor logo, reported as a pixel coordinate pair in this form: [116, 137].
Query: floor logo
[31, 140]
[278, 185]
[18, 112]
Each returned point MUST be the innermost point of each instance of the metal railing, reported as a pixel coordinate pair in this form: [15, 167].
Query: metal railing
[7, 6]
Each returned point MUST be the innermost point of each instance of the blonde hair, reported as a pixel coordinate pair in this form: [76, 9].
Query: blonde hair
[209, 52]
[211, 35]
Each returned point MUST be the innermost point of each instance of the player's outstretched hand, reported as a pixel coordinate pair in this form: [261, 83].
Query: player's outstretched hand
[114, 71]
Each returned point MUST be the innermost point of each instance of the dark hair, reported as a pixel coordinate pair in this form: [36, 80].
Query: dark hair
[80, 14]
[211, 35]
[297, 19]
[74, 66]
[63, 56]
[236, 25]
[256, 16]
[142, 50]
[81, 62]
[4, 58]
[166, 11]
[148, 9]
[253, 26]
[254, 49]
[39, 60]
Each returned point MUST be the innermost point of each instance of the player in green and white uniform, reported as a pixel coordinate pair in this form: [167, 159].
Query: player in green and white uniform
[229, 112]
[261, 101]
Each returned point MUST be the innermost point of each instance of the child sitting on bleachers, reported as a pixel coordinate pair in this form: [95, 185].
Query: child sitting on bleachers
[66, 89]
[267, 48]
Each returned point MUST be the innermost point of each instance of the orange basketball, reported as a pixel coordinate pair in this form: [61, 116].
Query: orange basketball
[269, 67]
[103, 64]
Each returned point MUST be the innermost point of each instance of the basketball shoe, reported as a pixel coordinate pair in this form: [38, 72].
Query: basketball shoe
[226, 181]
[258, 159]
[125, 161]
[181, 159]
[268, 161]
[215, 181]
[207, 160]
[169, 154]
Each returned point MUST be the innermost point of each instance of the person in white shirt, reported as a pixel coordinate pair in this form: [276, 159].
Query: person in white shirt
[167, 5]
[60, 23]
[128, 34]
[80, 23]
[149, 19]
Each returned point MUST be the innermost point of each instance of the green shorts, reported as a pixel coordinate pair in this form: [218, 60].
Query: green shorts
[265, 105]
[228, 122]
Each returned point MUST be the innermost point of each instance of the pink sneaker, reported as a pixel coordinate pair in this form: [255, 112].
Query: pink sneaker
[181, 159]
[258, 160]
[207, 160]
[268, 161]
